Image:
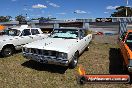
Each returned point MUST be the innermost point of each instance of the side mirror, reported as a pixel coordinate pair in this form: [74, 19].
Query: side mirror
[80, 37]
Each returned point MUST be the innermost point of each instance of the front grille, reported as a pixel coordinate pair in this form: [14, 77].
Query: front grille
[34, 51]
[43, 52]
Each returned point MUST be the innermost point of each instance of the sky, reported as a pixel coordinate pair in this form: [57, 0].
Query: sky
[61, 9]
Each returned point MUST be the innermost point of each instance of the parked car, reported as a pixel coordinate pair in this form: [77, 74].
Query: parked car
[63, 47]
[14, 38]
[125, 43]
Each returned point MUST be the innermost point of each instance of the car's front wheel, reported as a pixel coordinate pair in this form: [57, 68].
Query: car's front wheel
[7, 51]
[74, 61]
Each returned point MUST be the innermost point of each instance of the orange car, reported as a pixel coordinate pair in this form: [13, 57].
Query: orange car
[126, 49]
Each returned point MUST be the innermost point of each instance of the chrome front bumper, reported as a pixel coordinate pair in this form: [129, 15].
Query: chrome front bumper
[46, 59]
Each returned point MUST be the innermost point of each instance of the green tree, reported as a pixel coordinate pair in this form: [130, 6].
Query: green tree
[5, 18]
[20, 18]
[121, 12]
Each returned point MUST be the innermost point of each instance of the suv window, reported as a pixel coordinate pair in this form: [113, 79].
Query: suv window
[34, 31]
[26, 32]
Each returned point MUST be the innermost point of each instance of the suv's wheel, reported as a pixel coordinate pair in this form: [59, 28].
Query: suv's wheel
[7, 51]
[74, 61]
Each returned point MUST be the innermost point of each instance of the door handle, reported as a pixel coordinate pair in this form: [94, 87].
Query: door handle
[31, 37]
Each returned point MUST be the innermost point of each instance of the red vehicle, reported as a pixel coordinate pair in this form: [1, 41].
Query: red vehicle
[99, 33]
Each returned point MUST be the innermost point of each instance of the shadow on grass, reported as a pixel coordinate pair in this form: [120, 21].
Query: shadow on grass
[45, 67]
[116, 62]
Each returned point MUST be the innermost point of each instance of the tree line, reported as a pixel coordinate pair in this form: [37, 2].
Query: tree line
[22, 18]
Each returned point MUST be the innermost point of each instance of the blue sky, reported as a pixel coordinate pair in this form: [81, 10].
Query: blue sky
[61, 9]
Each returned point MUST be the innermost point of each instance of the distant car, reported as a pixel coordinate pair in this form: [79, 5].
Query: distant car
[63, 47]
[14, 38]
[99, 33]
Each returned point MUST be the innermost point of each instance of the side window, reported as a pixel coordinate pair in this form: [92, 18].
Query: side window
[82, 33]
[26, 32]
[34, 31]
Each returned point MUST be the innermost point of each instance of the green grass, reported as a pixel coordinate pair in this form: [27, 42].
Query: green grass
[17, 72]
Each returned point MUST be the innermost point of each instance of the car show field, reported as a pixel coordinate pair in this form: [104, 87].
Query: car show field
[103, 57]
[66, 44]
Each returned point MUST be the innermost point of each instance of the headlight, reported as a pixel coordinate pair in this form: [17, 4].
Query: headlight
[25, 49]
[62, 55]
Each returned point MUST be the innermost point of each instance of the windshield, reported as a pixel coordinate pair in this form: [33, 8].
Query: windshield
[65, 33]
[12, 32]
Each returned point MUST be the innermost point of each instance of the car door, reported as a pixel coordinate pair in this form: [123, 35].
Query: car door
[25, 37]
[35, 34]
[123, 47]
[87, 38]
[128, 47]
[82, 41]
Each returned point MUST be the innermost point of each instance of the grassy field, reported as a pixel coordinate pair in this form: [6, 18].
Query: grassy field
[102, 58]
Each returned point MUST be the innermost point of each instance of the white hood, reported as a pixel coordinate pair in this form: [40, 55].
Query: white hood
[5, 37]
[55, 44]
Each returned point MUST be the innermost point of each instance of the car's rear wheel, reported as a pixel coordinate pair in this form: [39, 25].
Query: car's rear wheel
[74, 61]
[7, 51]
[87, 48]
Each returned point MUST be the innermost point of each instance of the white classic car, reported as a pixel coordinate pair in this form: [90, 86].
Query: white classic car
[63, 47]
[14, 38]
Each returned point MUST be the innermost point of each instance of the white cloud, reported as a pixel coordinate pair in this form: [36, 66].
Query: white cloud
[39, 6]
[54, 5]
[111, 7]
[106, 12]
[61, 13]
[79, 11]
